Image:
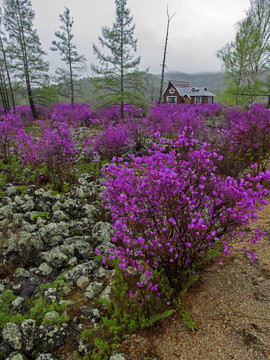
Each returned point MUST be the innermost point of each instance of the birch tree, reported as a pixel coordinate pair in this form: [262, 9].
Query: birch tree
[247, 58]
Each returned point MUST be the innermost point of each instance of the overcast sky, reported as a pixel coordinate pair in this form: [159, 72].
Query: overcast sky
[197, 31]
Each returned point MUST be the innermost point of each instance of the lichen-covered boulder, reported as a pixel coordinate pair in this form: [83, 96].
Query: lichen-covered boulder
[102, 232]
[12, 191]
[85, 269]
[44, 269]
[72, 207]
[29, 204]
[49, 338]
[53, 234]
[44, 200]
[90, 313]
[6, 211]
[59, 215]
[86, 178]
[12, 336]
[24, 247]
[55, 257]
[27, 329]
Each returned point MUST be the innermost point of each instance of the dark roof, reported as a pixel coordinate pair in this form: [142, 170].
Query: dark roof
[193, 91]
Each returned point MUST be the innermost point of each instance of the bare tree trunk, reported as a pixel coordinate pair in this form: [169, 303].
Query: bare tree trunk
[122, 73]
[164, 56]
[26, 68]
[71, 84]
[3, 92]
[7, 72]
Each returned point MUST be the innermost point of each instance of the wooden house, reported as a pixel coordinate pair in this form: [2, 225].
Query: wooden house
[179, 92]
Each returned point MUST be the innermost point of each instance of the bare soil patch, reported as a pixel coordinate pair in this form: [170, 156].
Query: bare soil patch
[230, 308]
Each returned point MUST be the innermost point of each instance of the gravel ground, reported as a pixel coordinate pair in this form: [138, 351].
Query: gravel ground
[230, 307]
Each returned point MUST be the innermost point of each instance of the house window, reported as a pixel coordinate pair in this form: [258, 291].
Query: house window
[171, 99]
[198, 99]
[171, 91]
[209, 100]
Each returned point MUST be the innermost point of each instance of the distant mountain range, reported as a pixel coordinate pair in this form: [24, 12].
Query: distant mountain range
[214, 82]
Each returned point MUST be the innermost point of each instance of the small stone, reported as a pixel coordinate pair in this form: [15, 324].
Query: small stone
[51, 315]
[20, 272]
[15, 356]
[92, 290]
[45, 357]
[105, 295]
[90, 313]
[17, 302]
[51, 295]
[72, 261]
[44, 269]
[117, 357]
[82, 282]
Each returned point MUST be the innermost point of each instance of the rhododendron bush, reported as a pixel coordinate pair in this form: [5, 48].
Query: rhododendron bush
[171, 206]
[10, 126]
[55, 149]
[244, 140]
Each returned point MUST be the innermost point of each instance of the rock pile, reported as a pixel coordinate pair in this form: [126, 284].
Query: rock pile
[51, 238]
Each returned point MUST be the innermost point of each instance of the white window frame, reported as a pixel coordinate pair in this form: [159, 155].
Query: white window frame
[209, 99]
[172, 90]
[172, 97]
[198, 99]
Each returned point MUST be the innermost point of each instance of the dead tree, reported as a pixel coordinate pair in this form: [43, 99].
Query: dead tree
[164, 55]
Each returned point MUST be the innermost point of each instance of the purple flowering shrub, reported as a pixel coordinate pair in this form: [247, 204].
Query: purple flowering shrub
[244, 141]
[171, 207]
[113, 112]
[55, 149]
[10, 125]
[79, 114]
[170, 120]
[112, 141]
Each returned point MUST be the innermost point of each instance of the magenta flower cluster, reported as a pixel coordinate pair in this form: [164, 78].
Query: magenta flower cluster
[10, 126]
[171, 206]
[55, 149]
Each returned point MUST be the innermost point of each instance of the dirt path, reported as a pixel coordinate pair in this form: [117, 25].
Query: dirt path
[230, 306]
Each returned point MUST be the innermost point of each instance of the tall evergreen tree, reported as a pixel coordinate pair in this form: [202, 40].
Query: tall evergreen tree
[117, 75]
[6, 91]
[24, 47]
[69, 55]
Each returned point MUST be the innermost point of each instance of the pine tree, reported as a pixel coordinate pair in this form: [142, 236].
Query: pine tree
[69, 55]
[24, 47]
[6, 91]
[118, 74]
